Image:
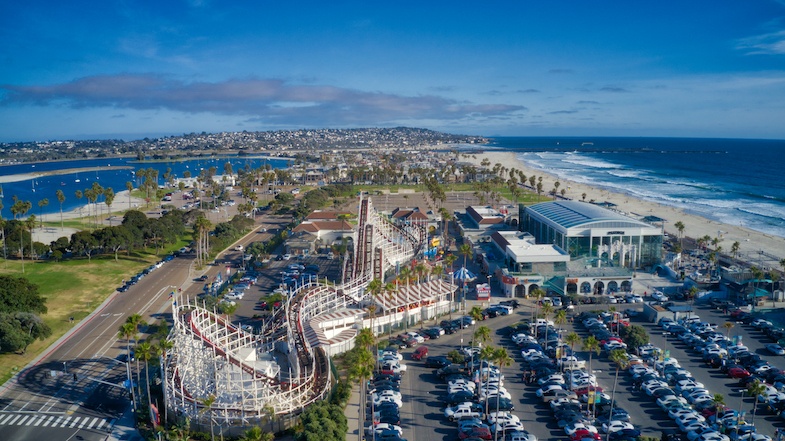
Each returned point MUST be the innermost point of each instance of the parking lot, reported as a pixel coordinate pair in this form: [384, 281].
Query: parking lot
[422, 413]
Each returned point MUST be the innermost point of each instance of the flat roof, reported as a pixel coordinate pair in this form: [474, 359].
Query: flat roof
[568, 214]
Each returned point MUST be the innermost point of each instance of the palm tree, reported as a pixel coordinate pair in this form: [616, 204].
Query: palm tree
[559, 318]
[680, 228]
[207, 403]
[537, 294]
[757, 274]
[127, 331]
[547, 309]
[734, 249]
[482, 334]
[619, 358]
[405, 275]
[146, 352]
[592, 345]
[502, 359]
[728, 326]
[129, 186]
[719, 402]
[390, 288]
[364, 338]
[755, 389]
[486, 354]
[41, 204]
[466, 252]
[60, 198]
[476, 314]
[164, 346]
[571, 339]
[256, 433]
[362, 369]
[375, 287]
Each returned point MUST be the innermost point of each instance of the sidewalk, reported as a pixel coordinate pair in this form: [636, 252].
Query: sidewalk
[124, 428]
[352, 412]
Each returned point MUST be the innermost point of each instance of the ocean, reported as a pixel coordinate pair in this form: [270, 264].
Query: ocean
[35, 190]
[733, 181]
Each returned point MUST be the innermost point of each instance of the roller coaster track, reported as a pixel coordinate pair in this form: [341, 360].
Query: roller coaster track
[213, 358]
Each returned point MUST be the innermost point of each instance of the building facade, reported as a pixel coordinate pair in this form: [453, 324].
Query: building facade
[603, 237]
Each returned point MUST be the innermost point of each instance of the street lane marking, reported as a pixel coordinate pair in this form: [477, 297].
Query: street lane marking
[40, 420]
[57, 422]
[49, 420]
[6, 418]
[76, 420]
[14, 420]
[92, 423]
[67, 419]
[22, 421]
[100, 424]
[84, 421]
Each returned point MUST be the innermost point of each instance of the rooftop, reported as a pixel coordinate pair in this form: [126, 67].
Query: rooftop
[570, 214]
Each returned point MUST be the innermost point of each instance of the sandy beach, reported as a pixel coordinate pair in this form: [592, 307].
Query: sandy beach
[49, 234]
[751, 242]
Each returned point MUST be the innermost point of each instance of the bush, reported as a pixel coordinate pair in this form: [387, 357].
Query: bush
[456, 357]
[634, 335]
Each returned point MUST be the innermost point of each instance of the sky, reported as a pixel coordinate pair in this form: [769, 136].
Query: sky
[133, 69]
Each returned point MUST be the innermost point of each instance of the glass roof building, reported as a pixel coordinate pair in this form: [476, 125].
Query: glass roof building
[586, 230]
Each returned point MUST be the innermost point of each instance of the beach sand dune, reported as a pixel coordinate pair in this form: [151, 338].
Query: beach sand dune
[754, 246]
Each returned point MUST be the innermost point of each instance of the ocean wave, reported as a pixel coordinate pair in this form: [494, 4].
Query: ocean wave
[590, 162]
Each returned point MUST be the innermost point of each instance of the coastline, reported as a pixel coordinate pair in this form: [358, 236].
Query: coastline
[751, 243]
[49, 234]
[67, 171]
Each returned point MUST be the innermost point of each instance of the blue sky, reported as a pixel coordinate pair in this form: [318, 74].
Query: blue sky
[130, 69]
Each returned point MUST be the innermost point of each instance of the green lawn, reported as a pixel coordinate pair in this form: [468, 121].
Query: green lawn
[73, 288]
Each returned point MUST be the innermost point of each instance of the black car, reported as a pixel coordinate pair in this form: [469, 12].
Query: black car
[432, 333]
[503, 405]
[512, 303]
[625, 434]
[438, 361]
[459, 397]
[123, 288]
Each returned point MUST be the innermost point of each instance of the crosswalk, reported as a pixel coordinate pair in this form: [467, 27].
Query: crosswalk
[64, 421]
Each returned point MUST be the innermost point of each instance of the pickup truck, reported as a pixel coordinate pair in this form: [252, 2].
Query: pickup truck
[463, 411]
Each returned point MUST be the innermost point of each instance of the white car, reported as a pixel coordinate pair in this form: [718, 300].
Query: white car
[556, 378]
[381, 427]
[502, 417]
[416, 336]
[660, 297]
[387, 399]
[540, 392]
[570, 429]
[509, 426]
[702, 434]
[616, 426]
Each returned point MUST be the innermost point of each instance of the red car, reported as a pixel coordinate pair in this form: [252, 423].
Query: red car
[584, 390]
[583, 435]
[482, 432]
[736, 313]
[738, 373]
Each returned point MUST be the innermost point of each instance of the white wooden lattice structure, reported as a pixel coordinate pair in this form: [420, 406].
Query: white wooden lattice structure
[213, 358]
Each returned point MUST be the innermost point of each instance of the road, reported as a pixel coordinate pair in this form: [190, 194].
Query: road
[46, 400]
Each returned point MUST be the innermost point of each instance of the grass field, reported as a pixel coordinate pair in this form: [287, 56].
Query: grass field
[72, 288]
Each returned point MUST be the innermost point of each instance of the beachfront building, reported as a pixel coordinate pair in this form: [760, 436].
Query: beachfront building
[604, 238]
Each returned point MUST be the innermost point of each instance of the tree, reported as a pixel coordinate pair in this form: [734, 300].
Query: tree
[18, 330]
[146, 352]
[127, 331]
[755, 389]
[476, 314]
[728, 326]
[734, 249]
[84, 242]
[108, 199]
[486, 354]
[61, 198]
[374, 287]
[18, 294]
[502, 360]
[680, 228]
[256, 433]
[634, 335]
[207, 407]
[164, 346]
[41, 204]
[719, 402]
[619, 358]
[571, 339]
[130, 187]
[482, 334]
[592, 345]
[361, 368]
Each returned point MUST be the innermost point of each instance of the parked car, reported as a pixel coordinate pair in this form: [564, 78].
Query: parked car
[420, 353]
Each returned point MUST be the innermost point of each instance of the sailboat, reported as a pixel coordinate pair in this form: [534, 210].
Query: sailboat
[1, 192]
[77, 180]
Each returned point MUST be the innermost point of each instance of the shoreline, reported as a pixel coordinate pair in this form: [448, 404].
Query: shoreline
[67, 171]
[752, 243]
